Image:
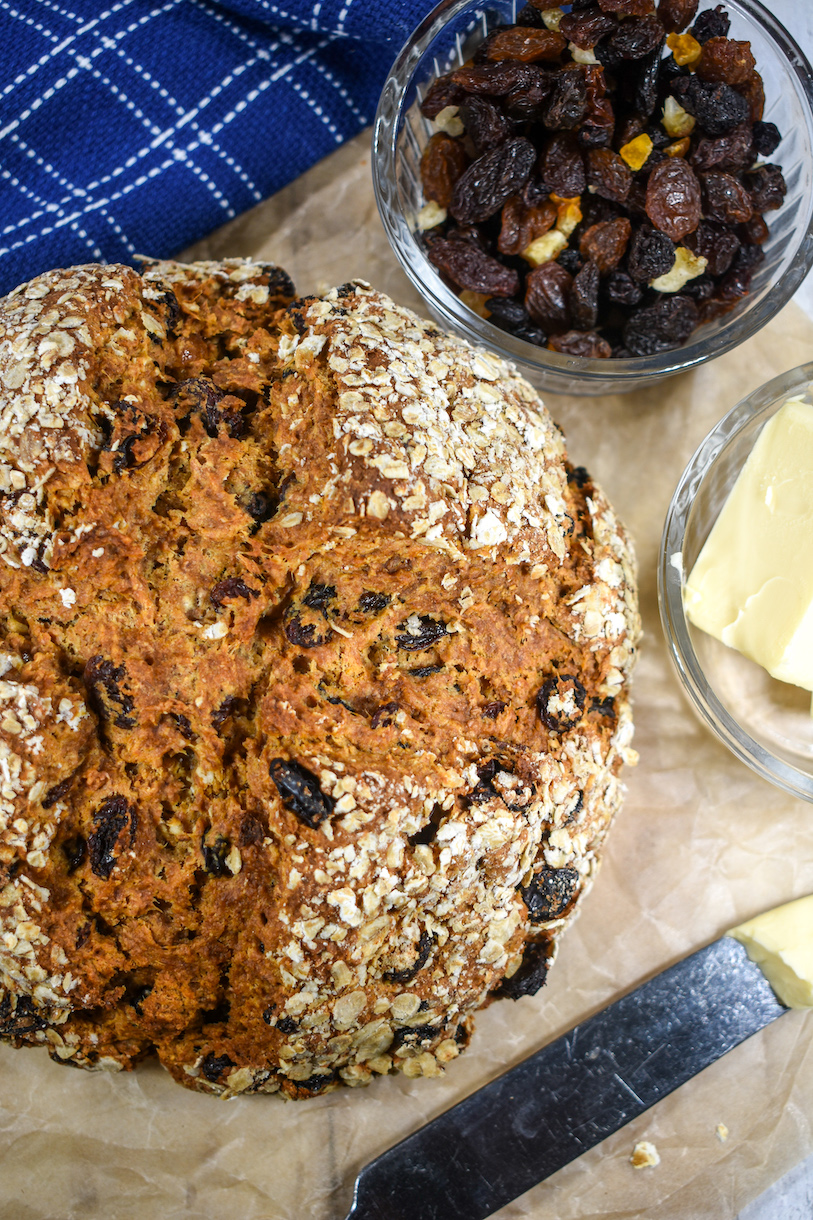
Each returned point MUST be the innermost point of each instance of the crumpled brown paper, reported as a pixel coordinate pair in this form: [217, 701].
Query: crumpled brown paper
[700, 844]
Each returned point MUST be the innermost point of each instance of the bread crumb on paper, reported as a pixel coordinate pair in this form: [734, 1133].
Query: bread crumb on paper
[721, 1130]
[644, 1155]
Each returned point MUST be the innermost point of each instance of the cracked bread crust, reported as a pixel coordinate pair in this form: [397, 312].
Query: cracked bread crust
[315, 661]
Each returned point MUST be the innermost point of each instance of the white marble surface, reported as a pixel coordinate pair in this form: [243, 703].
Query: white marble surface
[791, 1198]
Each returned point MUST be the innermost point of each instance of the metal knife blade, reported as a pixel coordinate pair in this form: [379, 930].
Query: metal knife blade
[571, 1094]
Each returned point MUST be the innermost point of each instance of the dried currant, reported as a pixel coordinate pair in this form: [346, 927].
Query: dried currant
[606, 242]
[426, 943]
[303, 635]
[490, 180]
[610, 177]
[300, 792]
[725, 198]
[383, 715]
[442, 162]
[755, 231]
[213, 1066]
[675, 15]
[560, 702]
[717, 107]
[547, 291]
[753, 91]
[424, 636]
[526, 45]
[104, 682]
[733, 151]
[626, 8]
[673, 199]
[214, 856]
[536, 955]
[583, 343]
[651, 253]
[200, 395]
[527, 101]
[621, 289]
[766, 186]
[373, 603]
[468, 266]
[711, 23]
[660, 327]
[766, 138]
[227, 590]
[583, 298]
[562, 167]
[550, 893]
[716, 243]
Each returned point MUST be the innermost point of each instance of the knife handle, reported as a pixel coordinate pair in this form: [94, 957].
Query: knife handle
[573, 1093]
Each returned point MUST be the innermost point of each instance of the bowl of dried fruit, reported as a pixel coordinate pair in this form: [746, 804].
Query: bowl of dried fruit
[606, 193]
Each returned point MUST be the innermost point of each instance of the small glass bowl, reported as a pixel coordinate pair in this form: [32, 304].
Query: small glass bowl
[446, 39]
[767, 724]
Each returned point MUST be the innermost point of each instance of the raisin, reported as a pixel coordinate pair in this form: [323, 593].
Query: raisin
[221, 714]
[507, 313]
[227, 590]
[486, 126]
[550, 893]
[645, 93]
[442, 162]
[490, 180]
[55, 794]
[104, 681]
[766, 138]
[560, 702]
[526, 45]
[521, 224]
[586, 27]
[766, 186]
[268, 1014]
[584, 343]
[425, 946]
[287, 1025]
[383, 715]
[732, 151]
[300, 792]
[302, 635]
[753, 91]
[442, 93]
[673, 199]
[635, 38]
[213, 1066]
[110, 820]
[530, 16]
[755, 231]
[547, 289]
[599, 120]
[562, 167]
[606, 242]
[716, 107]
[571, 260]
[651, 253]
[182, 724]
[22, 1019]
[716, 244]
[468, 266]
[496, 79]
[527, 101]
[725, 198]
[261, 507]
[492, 710]
[202, 396]
[608, 174]
[700, 288]
[424, 671]
[675, 15]
[214, 856]
[583, 298]
[567, 105]
[431, 630]
[412, 1036]
[533, 969]
[660, 327]
[726, 61]
[626, 8]
[75, 852]
[621, 289]
[712, 23]
[318, 596]
[374, 603]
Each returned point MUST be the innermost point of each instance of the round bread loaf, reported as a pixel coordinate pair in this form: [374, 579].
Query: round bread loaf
[314, 678]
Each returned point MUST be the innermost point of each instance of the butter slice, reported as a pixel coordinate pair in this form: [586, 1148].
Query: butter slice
[781, 944]
[752, 584]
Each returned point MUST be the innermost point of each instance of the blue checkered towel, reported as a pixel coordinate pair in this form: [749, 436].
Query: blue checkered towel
[140, 126]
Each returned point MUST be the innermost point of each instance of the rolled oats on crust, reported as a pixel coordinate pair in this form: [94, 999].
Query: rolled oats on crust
[313, 678]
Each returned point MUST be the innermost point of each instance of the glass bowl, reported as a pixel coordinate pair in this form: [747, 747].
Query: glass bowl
[448, 37]
[767, 724]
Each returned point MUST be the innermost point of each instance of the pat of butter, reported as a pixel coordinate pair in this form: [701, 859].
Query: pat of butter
[752, 584]
[781, 944]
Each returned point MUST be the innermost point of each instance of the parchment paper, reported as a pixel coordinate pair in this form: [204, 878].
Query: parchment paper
[700, 844]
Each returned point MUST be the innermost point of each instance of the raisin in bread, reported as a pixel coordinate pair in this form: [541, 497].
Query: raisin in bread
[315, 657]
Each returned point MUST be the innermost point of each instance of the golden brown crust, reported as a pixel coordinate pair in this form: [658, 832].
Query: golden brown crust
[316, 655]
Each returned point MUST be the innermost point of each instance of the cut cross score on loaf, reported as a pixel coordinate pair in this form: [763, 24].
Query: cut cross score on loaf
[315, 668]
